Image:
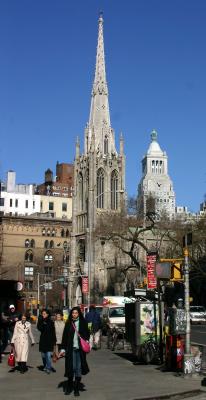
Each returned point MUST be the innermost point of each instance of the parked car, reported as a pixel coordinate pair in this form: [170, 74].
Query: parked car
[197, 315]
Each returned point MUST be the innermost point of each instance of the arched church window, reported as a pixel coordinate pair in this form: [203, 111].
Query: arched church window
[62, 233]
[46, 244]
[156, 169]
[48, 257]
[100, 188]
[160, 167]
[153, 166]
[106, 144]
[27, 243]
[32, 244]
[114, 190]
[81, 192]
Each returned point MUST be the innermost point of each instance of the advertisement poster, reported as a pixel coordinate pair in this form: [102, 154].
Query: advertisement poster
[147, 321]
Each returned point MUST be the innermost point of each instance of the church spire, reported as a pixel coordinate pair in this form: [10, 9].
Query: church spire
[99, 118]
[100, 84]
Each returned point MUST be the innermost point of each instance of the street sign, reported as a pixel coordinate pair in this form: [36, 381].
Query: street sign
[151, 277]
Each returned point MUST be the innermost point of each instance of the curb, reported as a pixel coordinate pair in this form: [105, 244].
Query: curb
[174, 396]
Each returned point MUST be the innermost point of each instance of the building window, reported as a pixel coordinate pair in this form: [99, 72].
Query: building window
[64, 206]
[51, 244]
[48, 257]
[26, 203]
[1, 202]
[53, 232]
[67, 233]
[41, 205]
[10, 202]
[48, 270]
[33, 204]
[43, 232]
[114, 190]
[16, 203]
[28, 256]
[46, 244]
[27, 243]
[28, 285]
[28, 271]
[32, 244]
[106, 145]
[62, 233]
[100, 188]
[51, 206]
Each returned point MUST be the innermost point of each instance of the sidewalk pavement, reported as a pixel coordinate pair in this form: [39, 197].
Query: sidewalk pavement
[112, 376]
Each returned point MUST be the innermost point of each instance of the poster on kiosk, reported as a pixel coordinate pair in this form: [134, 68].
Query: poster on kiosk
[149, 322]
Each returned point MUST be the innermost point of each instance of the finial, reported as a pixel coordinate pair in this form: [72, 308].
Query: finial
[101, 16]
[154, 135]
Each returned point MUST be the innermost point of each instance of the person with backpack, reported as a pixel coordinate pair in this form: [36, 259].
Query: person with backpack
[94, 324]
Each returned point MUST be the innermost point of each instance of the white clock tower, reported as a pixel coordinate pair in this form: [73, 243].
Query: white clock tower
[155, 182]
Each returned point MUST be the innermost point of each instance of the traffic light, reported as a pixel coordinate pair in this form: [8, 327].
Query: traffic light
[176, 272]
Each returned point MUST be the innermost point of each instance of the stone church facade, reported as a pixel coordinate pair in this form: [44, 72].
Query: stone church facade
[99, 187]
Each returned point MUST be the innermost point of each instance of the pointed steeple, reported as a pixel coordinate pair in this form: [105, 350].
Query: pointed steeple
[121, 146]
[77, 147]
[99, 118]
[100, 84]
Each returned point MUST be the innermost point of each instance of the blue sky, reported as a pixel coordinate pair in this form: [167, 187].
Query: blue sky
[156, 73]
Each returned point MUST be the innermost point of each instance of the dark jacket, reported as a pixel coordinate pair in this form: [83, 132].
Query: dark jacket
[67, 345]
[93, 317]
[47, 339]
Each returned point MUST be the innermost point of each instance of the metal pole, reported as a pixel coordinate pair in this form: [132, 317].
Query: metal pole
[37, 294]
[45, 289]
[187, 298]
[89, 264]
[160, 321]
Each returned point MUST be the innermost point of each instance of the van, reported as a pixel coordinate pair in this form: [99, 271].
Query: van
[113, 316]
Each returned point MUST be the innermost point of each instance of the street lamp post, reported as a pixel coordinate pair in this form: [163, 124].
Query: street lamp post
[65, 274]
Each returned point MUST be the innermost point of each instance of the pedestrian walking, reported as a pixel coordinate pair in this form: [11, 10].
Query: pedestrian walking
[9, 320]
[75, 358]
[20, 342]
[59, 325]
[47, 339]
[94, 324]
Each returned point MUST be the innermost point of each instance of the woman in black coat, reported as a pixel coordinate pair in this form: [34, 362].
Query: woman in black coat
[47, 339]
[75, 358]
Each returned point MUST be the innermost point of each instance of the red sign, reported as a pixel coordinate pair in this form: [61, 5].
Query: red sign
[85, 284]
[151, 276]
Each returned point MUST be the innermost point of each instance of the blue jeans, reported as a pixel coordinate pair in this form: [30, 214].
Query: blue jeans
[77, 364]
[46, 358]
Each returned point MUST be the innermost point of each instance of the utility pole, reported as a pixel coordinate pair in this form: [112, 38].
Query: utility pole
[187, 302]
